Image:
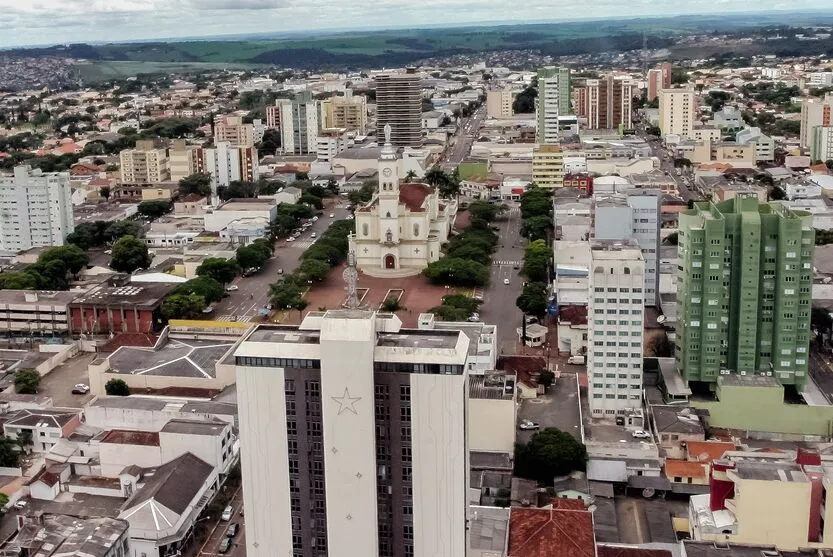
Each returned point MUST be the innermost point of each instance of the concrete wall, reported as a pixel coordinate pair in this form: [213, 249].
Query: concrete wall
[758, 523]
[491, 425]
[115, 457]
[761, 409]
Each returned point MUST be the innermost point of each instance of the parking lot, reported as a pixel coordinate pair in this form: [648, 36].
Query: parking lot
[211, 545]
[559, 407]
[60, 382]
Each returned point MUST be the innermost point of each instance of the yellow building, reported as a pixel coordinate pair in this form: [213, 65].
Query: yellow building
[183, 160]
[499, 103]
[676, 112]
[144, 165]
[761, 500]
[548, 166]
[722, 151]
[347, 111]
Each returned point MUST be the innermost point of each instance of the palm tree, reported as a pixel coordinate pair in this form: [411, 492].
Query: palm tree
[410, 176]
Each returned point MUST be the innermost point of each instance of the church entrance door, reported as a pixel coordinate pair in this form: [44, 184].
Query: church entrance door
[390, 262]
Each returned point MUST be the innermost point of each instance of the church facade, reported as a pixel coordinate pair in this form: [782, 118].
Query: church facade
[400, 231]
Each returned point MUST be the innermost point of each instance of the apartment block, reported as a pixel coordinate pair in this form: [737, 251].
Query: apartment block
[607, 103]
[145, 164]
[499, 103]
[548, 166]
[231, 129]
[553, 101]
[299, 124]
[744, 290]
[821, 143]
[226, 163]
[658, 78]
[346, 111]
[183, 160]
[399, 103]
[331, 142]
[633, 214]
[615, 327]
[764, 145]
[353, 437]
[814, 113]
[35, 209]
[677, 110]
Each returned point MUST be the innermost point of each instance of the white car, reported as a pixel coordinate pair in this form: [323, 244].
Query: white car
[332, 215]
[640, 434]
[314, 219]
[528, 425]
[232, 287]
[80, 389]
[506, 281]
[227, 512]
[291, 239]
[312, 235]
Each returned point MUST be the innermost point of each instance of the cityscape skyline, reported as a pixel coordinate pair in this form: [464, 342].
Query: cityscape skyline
[121, 21]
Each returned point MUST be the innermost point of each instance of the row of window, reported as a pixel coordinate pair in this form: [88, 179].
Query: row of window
[277, 362]
[431, 369]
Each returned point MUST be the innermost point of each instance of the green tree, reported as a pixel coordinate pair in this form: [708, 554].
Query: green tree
[777, 193]
[535, 202]
[287, 294]
[311, 200]
[536, 228]
[409, 177]
[9, 453]
[314, 269]
[391, 305]
[550, 453]
[183, 306]
[73, 257]
[271, 142]
[252, 256]
[195, 183]
[829, 164]
[283, 225]
[116, 387]
[129, 254]
[461, 301]
[449, 313]
[26, 381]
[536, 261]
[105, 192]
[483, 210]
[220, 269]
[457, 272]
[17, 280]
[24, 440]
[209, 289]
[533, 299]
[525, 101]
[155, 208]
[546, 378]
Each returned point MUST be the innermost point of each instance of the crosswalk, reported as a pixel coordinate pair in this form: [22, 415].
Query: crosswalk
[302, 244]
[514, 211]
[232, 317]
[501, 263]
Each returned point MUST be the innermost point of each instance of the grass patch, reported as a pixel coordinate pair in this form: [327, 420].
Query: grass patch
[473, 170]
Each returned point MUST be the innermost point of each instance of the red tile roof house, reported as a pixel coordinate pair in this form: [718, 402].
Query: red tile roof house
[563, 531]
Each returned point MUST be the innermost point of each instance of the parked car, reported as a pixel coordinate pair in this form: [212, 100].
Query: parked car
[527, 425]
[506, 281]
[474, 317]
[332, 215]
[80, 389]
[576, 360]
[209, 309]
[291, 239]
[640, 434]
[227, 512]
[232, 287]
[225, 545]
[231, 531]
[312, 235]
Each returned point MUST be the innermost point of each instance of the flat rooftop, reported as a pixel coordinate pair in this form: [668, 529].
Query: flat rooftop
[773, 471]
[177, 358]
[284, 335]
[419, 339]
[147, 296]
[40, 297]
[495, 386]
[247, 204]
[193, 427]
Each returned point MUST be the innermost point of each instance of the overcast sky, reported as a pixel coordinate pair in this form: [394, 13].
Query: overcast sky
[38, 22]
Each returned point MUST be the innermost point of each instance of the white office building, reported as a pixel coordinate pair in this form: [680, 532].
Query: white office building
[676, 112]
[353, 433]
[35, 209]
[764, 144]
[615, 328]
[226, 163]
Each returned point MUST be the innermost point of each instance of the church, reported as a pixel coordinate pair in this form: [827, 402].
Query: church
[400, 231]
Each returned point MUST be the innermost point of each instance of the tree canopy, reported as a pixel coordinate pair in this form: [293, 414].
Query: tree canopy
[199, 183]
[183, 306]
[155, 208]
[549, 454]
[129, 254]
[533, 299]
[220, 269]
[209, 289]
[26, 381]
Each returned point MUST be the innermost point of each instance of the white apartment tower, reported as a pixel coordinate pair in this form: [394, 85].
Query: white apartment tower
[226, 163]
[299, 123]
[35, 209]
[353, 436]
[815, 114]
[615, 327]
[677, 110]
[553, 101]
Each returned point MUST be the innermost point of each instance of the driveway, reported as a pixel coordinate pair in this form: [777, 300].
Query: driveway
[559, 407]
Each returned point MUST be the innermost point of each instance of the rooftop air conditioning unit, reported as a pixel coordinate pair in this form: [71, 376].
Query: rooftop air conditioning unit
[743, 373]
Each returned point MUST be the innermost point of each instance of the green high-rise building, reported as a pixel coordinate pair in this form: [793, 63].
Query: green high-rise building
[744, 291]
[553, 101]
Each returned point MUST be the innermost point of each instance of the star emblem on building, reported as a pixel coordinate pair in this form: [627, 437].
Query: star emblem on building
[346, 403]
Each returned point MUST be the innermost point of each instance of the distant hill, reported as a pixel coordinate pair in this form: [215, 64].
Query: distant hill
[368, 49]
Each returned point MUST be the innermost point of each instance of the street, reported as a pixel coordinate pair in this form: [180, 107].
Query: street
[499, 298]
[462, 140]
[210, 547]
[253, 294]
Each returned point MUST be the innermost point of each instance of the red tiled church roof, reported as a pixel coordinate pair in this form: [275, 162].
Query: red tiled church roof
[413, 195]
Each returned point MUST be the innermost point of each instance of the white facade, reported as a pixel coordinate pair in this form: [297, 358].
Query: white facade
[547, 105]
[403, 227]
[814, 113]
[431, 403]
[35, 209]
[615, 328]
[821, 143]
[329, 145]
[299, 121]
[820, 79]
[676, 112]
[226, 163]
[764, 145]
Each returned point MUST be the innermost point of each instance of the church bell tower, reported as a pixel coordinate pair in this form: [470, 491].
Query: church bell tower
[388, 192]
